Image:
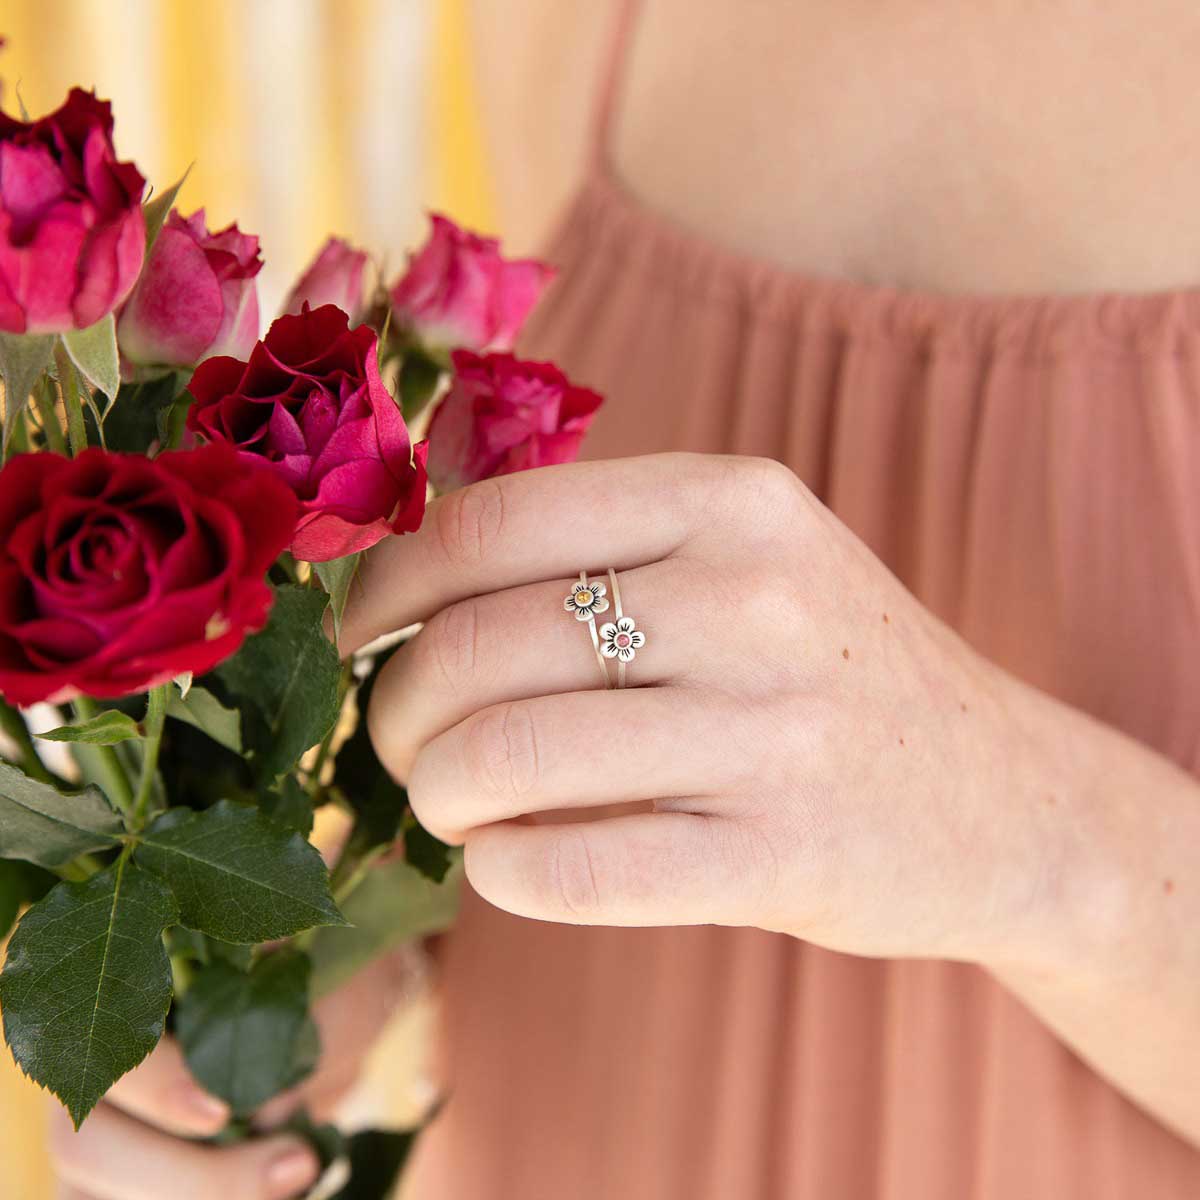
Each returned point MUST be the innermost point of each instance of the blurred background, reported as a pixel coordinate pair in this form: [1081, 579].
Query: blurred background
[299, 118]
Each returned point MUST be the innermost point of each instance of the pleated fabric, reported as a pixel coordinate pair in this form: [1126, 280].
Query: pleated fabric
[1030, 469]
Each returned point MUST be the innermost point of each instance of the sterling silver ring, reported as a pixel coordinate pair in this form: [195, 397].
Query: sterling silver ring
[620, 639]
[585, 601]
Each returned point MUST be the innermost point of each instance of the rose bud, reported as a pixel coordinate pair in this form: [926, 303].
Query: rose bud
[459, 293]
[72, 234]
[119, 572]
[335, 276]
[503, 414]
[310, 402]
[196, 298]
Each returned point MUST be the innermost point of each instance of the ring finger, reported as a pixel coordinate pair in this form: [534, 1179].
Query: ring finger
[520, 643]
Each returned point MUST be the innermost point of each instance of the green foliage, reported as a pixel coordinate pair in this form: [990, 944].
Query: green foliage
[237, 875]
[394, 903]
[203, 710]
[105, 729]
[431, 856]
[144, 413]
[290, 673]
[23, 357]
[198, 948]
[419, 379]
[157, 208]
[247, 1035]
[87, 983]
[20, 883]
[336, 576]
[94, 352]
[377, 1156]
[289, 804]
[379, 802]
[44, 825]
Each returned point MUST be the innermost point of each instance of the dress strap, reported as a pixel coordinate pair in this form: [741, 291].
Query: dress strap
[609, 87]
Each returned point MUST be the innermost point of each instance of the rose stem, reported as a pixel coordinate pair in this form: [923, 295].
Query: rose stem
[116, 782]
[156, 715]
[12, 723]
[68, 381]
[43, 395]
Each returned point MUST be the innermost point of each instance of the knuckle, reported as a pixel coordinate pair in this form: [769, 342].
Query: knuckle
[500, 752]
[469, 523]
[452, 643]
[767, 482]
[573, 874]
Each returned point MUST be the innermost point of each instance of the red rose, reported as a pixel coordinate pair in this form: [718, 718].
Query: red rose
[459, 292]
[335, 276]
[196, 298]
[503, 415]
[72, 236]
[311, 403]
[119, 572]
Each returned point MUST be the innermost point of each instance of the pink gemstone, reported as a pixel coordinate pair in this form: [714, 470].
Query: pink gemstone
[623, 640]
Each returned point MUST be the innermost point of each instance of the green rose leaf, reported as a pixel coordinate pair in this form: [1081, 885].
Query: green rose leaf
[94, 352]
[87, 983]
[48, 827]
[144, 412]
[394, 903]
[289, 804]
[20, 883]
[431, 856]
[247, 1035]
[157, 208]
[23, 357]
[290, 672]
[237, 875]
[104, 729]
[203, 710]
[336, 576]
[379, 802]
[376, 1157]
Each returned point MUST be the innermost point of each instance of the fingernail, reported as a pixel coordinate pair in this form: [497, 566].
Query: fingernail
[290, 1173]
[204, 1107]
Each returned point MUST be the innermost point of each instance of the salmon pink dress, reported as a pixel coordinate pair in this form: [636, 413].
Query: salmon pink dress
[1030, 469]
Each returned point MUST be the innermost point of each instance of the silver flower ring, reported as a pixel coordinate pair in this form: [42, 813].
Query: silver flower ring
[619, 639]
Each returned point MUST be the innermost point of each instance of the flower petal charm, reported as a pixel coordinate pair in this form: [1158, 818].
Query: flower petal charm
[586, 600]
[620, 640]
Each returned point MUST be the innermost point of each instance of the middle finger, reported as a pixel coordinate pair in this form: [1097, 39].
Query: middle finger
[520, 643]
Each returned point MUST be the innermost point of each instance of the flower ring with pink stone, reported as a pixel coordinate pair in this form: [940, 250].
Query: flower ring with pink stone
[621, 640]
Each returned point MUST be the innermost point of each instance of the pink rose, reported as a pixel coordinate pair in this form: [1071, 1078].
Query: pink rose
[503, 415]
[459, 292]
[72, 235]
[335, 276]
[310, 402]
[196, 298]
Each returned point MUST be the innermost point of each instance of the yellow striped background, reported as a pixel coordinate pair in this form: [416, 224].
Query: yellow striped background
[300, 118]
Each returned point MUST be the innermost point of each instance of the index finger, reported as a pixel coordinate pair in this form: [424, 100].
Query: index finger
[526, 528]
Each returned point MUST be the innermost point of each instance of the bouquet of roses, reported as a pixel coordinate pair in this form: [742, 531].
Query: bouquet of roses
[183, 508]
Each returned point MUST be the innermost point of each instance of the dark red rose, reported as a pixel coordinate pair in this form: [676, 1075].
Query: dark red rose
[310, 402]
[72, 235]
[118, 572]
[503, 414]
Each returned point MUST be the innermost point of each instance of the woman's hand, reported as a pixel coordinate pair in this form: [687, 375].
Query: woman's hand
[139, 1143]
[801, 746]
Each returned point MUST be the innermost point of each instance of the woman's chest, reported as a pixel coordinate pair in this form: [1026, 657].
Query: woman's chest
[996, 147]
